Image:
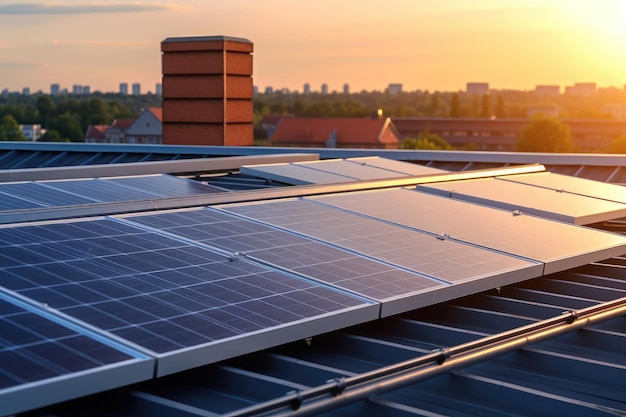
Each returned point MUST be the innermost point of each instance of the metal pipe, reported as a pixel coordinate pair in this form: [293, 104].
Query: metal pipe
[345, 391]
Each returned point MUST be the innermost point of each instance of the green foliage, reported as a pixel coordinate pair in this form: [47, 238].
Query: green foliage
[10, 129]
[52, 136]
[545, 134]
[500, 107]
[485, 106]
[70, 116]
[618, 145]
[455, 106]
[428, 141]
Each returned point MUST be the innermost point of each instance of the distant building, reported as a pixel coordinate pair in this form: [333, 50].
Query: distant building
[5, 92]
[548, 90]
[581, 89]
[55, 89]
[269, 90]
[124, 89]
[78, 90]
[26, 91]
[306, 89]
[477, 88]
[394, 88]
[158, 89]
[346, 88]
[136, 89]
[32, 132]
[147, 128]
[255, 90]
[324, 88]
[335, 133]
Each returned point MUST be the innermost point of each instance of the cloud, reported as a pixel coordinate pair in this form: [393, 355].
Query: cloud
[85, 8]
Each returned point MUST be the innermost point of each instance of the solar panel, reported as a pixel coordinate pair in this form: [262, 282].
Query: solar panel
[352, 169]
[573, 185]
[10, 202]
[462, 266]
[43, 196]
[397, 166]
[36, 352]
[338, 170]
[558, 245]
[538, 201]
[100, 190]
[399, 289]
[165, 185]
[293, 174]
[189, 305]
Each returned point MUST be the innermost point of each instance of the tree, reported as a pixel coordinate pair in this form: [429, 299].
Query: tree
[455, 105]
[485, 107]
[618, 145]
[69, 127]
[46, 107]
[500, 108]
[9, 129]
[52, 136]
[545, 134]
[426, 140]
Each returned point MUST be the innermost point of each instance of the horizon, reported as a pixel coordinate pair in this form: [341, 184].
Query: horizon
[510, 44]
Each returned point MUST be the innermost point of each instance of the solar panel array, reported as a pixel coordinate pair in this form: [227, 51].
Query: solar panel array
[338, 170]
[40, 194]
[91, 304]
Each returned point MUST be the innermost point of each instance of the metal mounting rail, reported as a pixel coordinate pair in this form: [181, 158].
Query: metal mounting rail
[344, 391]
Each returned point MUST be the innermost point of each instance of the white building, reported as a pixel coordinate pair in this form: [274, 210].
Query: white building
[124, 88]
[136, 89]
[55, 89]
[32, 132]
[548, 90]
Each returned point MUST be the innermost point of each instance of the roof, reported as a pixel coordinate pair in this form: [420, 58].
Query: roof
[347, 132]
[508, 350]
[157, 111]
[96, 131]
[123, 124]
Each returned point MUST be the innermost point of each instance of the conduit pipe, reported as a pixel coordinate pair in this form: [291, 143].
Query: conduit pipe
[344, 391]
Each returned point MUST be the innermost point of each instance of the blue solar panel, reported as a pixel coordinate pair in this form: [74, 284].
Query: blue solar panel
[157, 292]
[100, 190]
[447, 260]
[166, 185]
[328, 264]
[43, 195]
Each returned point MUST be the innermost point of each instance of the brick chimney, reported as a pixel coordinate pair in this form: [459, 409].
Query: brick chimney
[207, 91]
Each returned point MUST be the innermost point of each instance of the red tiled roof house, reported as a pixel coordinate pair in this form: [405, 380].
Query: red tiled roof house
[336, 133]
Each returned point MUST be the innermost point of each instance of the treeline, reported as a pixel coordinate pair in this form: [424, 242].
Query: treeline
[505, 103]
[65, 117]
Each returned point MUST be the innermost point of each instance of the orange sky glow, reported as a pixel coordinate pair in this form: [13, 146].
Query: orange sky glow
[423, 44]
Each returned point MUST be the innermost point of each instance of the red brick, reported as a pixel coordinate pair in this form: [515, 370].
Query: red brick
[207, 86]
[207, 111]
[207, 62]
[208, 134]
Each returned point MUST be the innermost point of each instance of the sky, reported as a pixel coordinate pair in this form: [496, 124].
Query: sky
[434, 45]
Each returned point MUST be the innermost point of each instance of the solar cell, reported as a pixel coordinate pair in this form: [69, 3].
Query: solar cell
[36, 351]
[558, 245]
[542, 202]
[100, 190]
[11, 202]
[573, 185]
[143, 287]
[351, 272]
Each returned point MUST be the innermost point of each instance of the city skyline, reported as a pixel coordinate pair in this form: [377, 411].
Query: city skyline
[422, 45]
